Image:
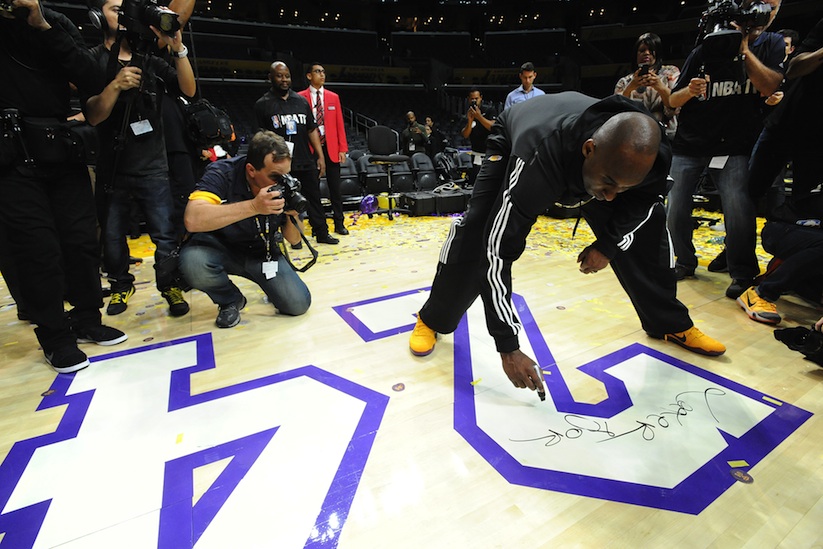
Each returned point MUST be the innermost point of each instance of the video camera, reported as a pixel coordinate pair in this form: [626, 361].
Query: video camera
[289, 188]
[137, 15]
[721, 41]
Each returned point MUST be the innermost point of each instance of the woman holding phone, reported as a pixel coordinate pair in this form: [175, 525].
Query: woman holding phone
[651, 82]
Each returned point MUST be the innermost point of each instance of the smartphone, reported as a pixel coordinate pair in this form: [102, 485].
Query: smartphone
[644, 69]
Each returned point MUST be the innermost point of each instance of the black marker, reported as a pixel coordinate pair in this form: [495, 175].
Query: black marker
[541, 394]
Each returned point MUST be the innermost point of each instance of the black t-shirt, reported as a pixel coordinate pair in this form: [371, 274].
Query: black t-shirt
[800, 114]
[225, 182]
[144, 152]
[292, 119]
[729, 121]
[479, 133]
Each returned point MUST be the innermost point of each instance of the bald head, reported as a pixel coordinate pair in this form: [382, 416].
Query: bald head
[630, 141]
[620, 154]
[280, 78]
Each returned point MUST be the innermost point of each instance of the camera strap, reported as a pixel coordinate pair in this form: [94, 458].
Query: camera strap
[285, 252]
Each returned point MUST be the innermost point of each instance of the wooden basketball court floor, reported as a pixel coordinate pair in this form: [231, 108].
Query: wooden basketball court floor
[324, 431]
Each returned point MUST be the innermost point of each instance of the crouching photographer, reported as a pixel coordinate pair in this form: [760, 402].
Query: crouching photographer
[240, 212]
[46, 203]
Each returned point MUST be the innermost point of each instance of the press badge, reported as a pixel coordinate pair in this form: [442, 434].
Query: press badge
[291, 127]
[269, 269]
[718, 162]
[141, 127]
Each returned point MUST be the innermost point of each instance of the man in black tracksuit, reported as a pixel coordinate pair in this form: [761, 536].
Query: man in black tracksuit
[563, 148]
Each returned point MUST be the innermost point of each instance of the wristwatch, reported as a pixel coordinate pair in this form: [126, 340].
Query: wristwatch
[182, 53]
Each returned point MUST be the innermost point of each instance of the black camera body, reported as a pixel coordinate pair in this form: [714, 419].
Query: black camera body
[721, 41]
[138, 15]
[289, 188]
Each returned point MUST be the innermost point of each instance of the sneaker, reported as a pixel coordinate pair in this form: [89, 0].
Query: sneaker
[177, 305]
[100, 334]
[681, 273]
[119, 301]
[696, 341]
[422, 339]
[738, 286]
[759, 309]
[229, 315]
[718, 264]
[66, 360]
[298, 246]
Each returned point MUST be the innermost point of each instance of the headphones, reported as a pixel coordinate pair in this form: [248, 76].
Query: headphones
[96, 17]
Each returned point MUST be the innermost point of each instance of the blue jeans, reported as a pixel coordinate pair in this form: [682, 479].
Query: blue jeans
[738, 212]
[153, 194]
[207, 264]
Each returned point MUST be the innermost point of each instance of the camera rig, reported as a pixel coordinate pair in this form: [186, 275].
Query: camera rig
[136, 16]
[720, 39]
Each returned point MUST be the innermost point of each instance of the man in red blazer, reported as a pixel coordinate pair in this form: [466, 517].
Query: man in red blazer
[328, 113]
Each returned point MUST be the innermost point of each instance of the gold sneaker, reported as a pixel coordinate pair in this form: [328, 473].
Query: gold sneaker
[759, 309]
[697, 342]
[422, 339]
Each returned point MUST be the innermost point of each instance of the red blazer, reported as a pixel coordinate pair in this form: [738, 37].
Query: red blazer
[333, 122]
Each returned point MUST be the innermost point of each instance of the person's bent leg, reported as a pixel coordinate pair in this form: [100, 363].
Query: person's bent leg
[461, 265]
[206, 264]
[285, 290]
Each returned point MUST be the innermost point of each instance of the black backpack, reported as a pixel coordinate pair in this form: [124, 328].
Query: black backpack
[206, 124]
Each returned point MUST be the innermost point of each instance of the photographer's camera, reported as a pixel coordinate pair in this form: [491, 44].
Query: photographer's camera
[720, 39]
[138, 15]
[289, 188]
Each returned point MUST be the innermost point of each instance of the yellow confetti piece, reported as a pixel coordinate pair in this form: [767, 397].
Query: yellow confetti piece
[179, 438]
[737, 464]
[772, 400]
[9, 343]
[476, 381]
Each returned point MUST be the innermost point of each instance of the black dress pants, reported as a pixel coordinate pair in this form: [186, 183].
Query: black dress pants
[48, 215]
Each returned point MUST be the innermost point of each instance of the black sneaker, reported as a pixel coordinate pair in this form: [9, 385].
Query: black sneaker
[298, 246]
[177, 305]
[738, 286]
[682, 273]
[327, 239]
[718, 264]
[68, 359]
[229, 315]
[100, 334]
[119, 301]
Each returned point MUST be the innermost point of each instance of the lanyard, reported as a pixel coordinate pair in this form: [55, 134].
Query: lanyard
[264, 236]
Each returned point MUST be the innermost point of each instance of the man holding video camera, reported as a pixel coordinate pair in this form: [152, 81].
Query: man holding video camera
[721, 93]
[133, 162]
[47, 208]
[240, 211]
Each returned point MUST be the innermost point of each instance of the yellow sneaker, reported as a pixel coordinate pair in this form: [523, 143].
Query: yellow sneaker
[757, 308]
[422, 339]
[697, 342]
